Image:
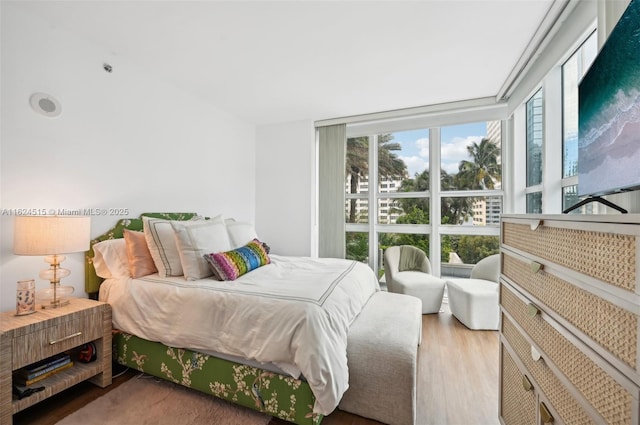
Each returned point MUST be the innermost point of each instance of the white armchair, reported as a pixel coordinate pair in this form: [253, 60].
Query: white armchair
[474, 301]
[407, 270]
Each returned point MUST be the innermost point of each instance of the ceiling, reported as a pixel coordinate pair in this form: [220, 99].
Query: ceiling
[281, 61]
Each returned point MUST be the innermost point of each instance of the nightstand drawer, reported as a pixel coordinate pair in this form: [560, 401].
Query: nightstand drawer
[607, 324]
[48, 341]
[612, 398]
[561, 399]
[608, 257]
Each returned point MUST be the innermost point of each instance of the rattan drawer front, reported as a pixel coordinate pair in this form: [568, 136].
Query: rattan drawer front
[609, 325]
[612, 401]
[568, 408]
[518, 405]
[608, 257]
[46, 342]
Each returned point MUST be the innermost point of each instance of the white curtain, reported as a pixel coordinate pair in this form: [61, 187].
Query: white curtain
[332, 148]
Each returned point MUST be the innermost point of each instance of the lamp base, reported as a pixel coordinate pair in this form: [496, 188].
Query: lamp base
[54, 297]
[54, 304]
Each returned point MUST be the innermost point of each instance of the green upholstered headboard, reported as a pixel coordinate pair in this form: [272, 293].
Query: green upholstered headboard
[92, 280]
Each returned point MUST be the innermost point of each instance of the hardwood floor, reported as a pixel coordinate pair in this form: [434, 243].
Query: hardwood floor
[457, 381]
[457, 373]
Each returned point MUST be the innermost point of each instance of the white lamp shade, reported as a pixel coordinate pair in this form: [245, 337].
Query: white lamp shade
[48, 235]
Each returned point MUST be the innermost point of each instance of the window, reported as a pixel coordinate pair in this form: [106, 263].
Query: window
[572, 72]
[468, 161]
[357, 180]
[534, 203]
[534, 146]
[464, 227]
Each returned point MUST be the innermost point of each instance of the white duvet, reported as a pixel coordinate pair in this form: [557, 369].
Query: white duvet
[294, 313]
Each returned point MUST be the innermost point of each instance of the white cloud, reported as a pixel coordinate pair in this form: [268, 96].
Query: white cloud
[415, 164]
[451, 167]
[423, 147]
[453, 152]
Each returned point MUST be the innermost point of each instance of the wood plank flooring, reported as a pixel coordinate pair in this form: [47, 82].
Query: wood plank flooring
[457, 381]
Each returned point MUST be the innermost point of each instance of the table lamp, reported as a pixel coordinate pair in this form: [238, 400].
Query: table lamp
[52, 236]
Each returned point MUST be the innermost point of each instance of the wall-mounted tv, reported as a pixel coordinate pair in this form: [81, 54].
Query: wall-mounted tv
[609, 113]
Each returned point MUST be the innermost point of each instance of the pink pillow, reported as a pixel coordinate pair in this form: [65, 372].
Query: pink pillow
[140, 260]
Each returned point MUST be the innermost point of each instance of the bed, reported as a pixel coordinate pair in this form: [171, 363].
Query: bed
[274, 339]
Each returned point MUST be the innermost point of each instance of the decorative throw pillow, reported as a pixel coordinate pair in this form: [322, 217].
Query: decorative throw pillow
[196, 238]
[140, 261]
[110, 258]
[240, 233]
[232, 264]
[162, 245]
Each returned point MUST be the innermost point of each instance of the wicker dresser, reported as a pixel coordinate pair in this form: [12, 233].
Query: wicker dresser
[570, 304]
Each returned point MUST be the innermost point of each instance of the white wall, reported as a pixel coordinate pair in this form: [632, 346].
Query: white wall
[285, 182]
[124, 140]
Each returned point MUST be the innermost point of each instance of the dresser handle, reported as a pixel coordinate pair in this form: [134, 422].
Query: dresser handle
[545, 415]
[533, 310]
[526, 384]
[536, 267]
[55, 341]
[534, 224]
[535, 354]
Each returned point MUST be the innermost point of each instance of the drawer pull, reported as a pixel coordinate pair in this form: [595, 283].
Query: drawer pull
[535, 267]
[534, 224]
[526, 384]
[533, 310]
[535, 354]
[55, 341]
[545, 415]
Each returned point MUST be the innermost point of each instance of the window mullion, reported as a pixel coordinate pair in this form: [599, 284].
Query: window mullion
[434, 210]
[374, 188]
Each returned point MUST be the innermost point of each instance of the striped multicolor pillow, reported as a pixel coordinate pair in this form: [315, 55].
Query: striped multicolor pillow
[230, 265]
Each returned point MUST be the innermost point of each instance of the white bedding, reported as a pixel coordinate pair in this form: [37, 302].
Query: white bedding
[294, 313]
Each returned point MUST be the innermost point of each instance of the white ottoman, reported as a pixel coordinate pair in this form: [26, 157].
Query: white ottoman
[382, 356]
[474, 302]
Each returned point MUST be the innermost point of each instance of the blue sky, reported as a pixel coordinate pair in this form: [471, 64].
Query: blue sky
[455, 139]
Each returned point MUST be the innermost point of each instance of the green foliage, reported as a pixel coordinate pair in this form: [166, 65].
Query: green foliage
[472, 249]
[357, 246]
[414, 213]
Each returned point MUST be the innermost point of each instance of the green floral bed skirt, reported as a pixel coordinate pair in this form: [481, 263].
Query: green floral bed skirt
[268, 392]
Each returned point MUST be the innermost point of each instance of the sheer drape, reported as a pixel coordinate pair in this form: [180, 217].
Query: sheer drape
[331, 210]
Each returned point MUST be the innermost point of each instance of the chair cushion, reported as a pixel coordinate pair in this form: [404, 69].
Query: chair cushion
[428, 288]
[411, 258]
[412, 279]
[473, 286]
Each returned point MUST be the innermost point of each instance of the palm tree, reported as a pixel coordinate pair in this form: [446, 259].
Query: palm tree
[454, 210]
[484, 171]
[357, 163]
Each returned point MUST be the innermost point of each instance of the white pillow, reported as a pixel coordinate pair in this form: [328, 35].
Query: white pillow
[110, 258]
[194, 240]
[162, 246]
[241, 234]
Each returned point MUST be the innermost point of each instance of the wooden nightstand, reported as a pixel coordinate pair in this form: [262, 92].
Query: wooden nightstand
[27, 339]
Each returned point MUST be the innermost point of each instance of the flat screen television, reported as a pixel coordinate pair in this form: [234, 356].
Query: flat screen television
[609, 113]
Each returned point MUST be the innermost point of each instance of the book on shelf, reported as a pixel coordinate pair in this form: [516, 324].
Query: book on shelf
[44, 366]
[32, 375]
[18, 379]
[44, 363]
